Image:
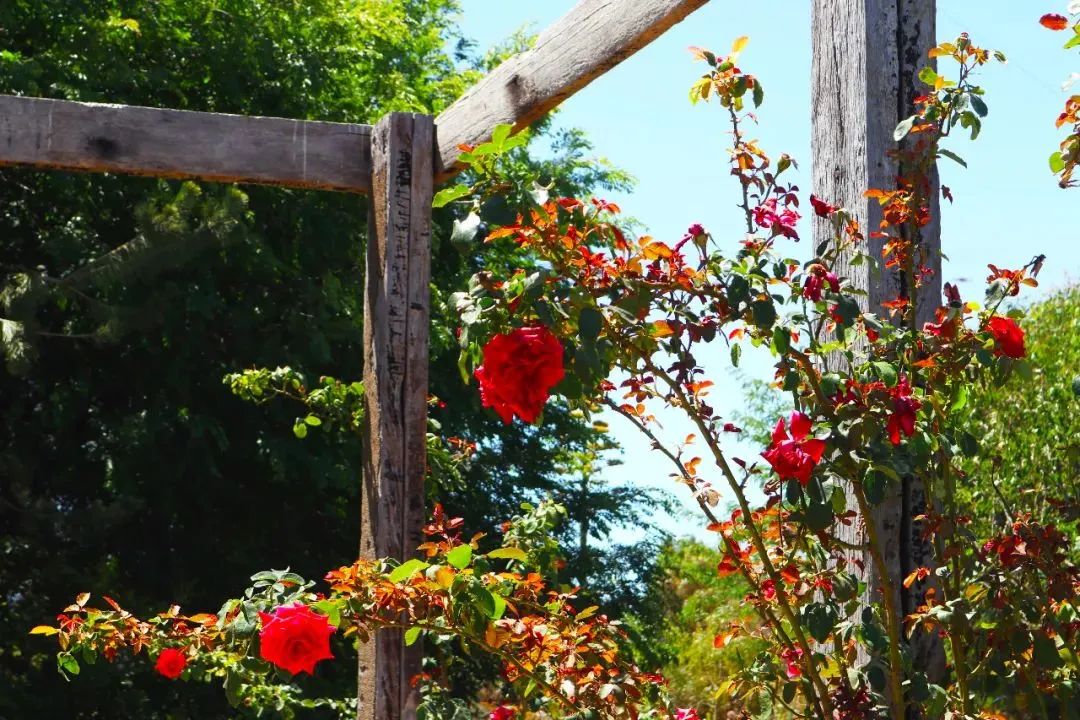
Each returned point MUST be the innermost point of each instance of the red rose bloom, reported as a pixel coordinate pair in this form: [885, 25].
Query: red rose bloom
[519, 370]
[1008, 336]
[902, 419]
[170, 663]
[815, 282]
[779, 222]
[794, 458]
[502, 712]
[294, 638]
[822, 208]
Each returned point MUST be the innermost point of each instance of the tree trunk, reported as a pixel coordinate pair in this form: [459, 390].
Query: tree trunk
[866, 59]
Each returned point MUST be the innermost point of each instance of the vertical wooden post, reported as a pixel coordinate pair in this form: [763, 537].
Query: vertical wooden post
[398, 271]
[866, 59]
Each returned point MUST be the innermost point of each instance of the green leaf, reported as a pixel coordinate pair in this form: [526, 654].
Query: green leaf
[460, 557]
[590, 322]
[960, 399]
[759, 93]
[407, 569]
[1057, 163]
[486, 601]
[928, 75]
[903, 128]
[509, 553]
[411, 636]
[819, 516]
[232, 688]
[500, 606]
[736, 353]
[885, 372]
[820, 620]
[875, 483]
[979, 106]
[764, 312]
[952, 156]
[781, 339]
[501, 133]
[300, 429]
[1045, 653]
[449, 194]
[313, 420]
[67, 663]
[497, 211]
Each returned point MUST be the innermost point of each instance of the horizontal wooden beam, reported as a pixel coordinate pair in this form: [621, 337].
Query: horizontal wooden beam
[595, 36]
[179, 144]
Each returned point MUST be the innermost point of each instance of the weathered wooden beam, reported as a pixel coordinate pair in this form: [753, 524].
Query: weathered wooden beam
[866, 59]
[594, 37]
[396, 314]
[179, 144]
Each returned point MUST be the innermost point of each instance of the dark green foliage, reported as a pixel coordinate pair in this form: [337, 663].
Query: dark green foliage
[126, 466]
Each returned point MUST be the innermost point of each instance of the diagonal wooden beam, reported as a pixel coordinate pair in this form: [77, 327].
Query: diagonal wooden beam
[595, 36]
[179, 144]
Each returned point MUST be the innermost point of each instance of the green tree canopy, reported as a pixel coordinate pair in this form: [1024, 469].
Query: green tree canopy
[126, 464]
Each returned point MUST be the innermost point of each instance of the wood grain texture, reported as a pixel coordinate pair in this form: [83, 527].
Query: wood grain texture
[396, 317]
[866, 58]
[92, 137]
[595, 36]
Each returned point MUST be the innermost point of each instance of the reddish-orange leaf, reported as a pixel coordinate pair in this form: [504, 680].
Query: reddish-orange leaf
[662, 328]
[1054, 21]
[790, 574]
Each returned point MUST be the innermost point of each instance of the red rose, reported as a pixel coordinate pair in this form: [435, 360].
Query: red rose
[902, 419]
[1008, 336]
[519, 370]
[795, 457]
[816, 279]
[822, 208]
[502, 712]
[780, 222]
[171, 662]
[1054, 21]
[294, 638]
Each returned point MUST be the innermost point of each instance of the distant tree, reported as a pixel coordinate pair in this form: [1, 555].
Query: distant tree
[1029, 431]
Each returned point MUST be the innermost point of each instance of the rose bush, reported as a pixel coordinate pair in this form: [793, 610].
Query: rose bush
[617, 322]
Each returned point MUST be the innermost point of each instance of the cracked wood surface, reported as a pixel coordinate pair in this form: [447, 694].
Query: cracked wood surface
[866, 59]
[92, 137]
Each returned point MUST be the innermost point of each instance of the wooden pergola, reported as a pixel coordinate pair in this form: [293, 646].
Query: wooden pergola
[866, 55]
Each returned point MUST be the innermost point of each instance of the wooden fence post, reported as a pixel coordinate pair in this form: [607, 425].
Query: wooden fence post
[866, 59]
[396, 313]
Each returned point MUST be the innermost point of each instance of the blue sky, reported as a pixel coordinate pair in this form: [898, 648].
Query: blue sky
[1008, 207]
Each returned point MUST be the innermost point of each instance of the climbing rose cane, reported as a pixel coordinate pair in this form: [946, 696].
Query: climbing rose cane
[294, 638]
[794, 458]
[519, 370]
[170, 663]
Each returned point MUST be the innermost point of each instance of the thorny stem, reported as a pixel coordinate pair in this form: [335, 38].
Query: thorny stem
[745, 187]
[759, 543]
[765, 613]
